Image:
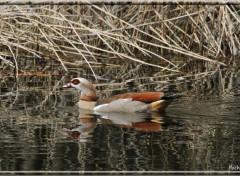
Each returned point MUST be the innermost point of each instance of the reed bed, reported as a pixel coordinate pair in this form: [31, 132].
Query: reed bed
[168, 37]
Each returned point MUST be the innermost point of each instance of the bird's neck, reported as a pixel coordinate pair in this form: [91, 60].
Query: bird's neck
[88, 98]
[89, 95]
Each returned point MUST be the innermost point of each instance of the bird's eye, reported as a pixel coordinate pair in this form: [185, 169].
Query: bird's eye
[75, 81]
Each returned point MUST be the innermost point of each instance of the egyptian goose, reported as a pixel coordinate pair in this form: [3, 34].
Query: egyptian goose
[127, 102]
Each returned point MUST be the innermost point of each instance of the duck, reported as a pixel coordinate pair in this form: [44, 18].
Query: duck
[126, 102]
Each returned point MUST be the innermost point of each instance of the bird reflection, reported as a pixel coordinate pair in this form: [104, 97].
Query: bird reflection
[139, 121]
[86, 124]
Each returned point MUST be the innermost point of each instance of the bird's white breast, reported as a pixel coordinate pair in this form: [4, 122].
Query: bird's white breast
[86, 104]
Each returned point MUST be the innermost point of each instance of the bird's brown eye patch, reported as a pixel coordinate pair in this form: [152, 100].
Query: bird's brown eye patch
[75, 81]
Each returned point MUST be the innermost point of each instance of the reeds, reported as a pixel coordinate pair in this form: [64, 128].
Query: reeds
[146, 34]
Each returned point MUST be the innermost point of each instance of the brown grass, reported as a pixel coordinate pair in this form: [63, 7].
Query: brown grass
[145, 34]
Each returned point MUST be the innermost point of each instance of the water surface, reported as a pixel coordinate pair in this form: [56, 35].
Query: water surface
[44, 130]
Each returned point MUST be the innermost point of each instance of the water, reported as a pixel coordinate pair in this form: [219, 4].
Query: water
[42, 128]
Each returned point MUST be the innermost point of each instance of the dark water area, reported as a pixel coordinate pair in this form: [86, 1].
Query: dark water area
[42, 128]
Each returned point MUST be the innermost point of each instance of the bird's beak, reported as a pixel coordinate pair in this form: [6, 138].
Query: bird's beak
[68, 85]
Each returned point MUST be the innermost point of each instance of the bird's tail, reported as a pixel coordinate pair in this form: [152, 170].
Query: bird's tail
[162, 104]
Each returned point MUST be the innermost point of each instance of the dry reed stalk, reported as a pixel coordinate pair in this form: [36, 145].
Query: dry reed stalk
[94, 33]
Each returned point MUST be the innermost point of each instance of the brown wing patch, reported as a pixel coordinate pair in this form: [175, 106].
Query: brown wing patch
[146, 97]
